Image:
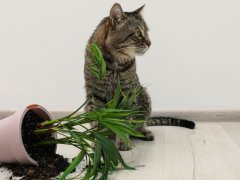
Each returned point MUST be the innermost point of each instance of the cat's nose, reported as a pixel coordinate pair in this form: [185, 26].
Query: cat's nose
[147, 41]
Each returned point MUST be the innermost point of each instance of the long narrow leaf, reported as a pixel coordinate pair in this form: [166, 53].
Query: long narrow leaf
[73, 165]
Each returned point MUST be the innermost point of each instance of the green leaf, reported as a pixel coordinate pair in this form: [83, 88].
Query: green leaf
[87, 175]
[123, 162]
[73, 165]
[118, 132]
[102, 69]
[97, 157]
[114, 152]
[122, 126]
[99, 66]
[76, 138]
[114, 102]
[106, 168]
[95, 73]
[107, 147]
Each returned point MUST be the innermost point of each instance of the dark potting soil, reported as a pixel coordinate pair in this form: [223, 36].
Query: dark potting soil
[50, 164]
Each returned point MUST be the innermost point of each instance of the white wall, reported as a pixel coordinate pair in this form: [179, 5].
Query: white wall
[194, 60]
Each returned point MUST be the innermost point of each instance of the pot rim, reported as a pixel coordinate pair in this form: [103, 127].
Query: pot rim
[24, 111]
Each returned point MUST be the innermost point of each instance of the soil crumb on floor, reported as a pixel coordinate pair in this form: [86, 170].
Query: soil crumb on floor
[48, 167]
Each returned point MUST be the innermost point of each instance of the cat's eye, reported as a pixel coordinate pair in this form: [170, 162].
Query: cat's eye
[138, 34]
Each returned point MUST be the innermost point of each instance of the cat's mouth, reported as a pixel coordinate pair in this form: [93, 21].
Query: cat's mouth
[141, 51]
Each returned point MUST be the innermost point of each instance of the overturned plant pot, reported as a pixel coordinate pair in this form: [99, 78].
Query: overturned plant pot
[17, 136]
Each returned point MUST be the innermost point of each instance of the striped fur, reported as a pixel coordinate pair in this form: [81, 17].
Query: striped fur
[120, 36]
[169, 121]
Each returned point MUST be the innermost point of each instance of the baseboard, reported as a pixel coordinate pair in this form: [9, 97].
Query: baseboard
[197, 115]
[201, 115]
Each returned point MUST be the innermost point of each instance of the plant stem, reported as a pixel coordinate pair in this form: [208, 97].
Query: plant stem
[46, 123]
[42, 131]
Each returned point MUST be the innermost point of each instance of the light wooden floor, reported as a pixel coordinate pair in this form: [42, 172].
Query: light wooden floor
[210, 152]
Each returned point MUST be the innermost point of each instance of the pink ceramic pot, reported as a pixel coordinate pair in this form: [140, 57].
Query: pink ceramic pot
[11, 144]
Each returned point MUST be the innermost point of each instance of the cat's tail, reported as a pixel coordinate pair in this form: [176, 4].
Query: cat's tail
[168, 121]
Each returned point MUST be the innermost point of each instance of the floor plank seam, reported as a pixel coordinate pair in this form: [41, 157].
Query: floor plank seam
[193, 154]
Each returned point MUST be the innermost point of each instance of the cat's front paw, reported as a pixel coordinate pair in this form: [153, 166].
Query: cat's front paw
[149, 137]
[122, 146]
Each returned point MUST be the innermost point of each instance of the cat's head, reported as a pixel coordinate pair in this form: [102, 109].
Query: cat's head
[127, 32]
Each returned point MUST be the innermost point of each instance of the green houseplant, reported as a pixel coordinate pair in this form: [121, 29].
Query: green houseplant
[95, 147]
[101, 154]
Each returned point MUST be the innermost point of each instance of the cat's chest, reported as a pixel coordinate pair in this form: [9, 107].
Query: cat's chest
[120, 75]
[121, 71]
[112, 79]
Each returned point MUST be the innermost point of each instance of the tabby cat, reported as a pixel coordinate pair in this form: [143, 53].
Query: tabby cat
[121, 37]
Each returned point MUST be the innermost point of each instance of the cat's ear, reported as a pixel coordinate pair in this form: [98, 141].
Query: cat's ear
[116, 14]
[139, 10]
